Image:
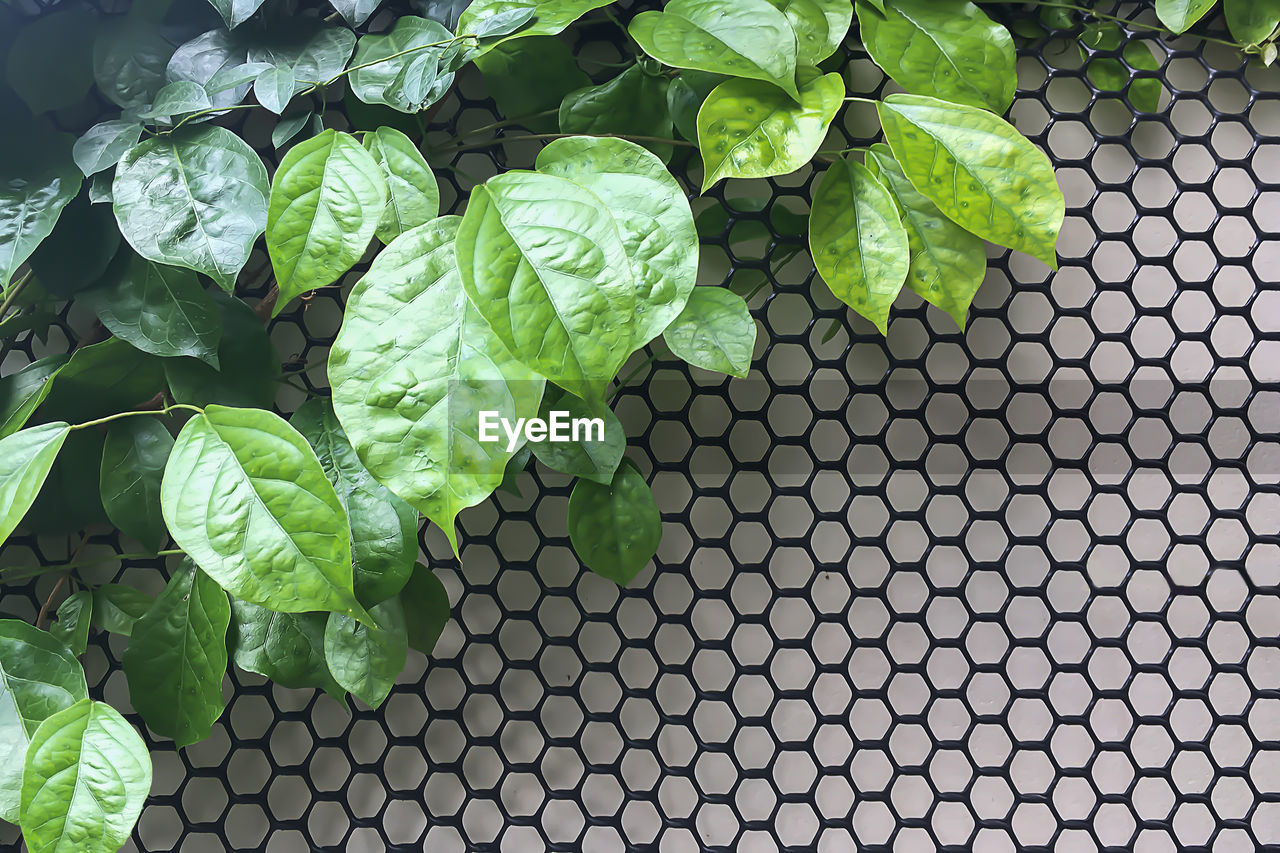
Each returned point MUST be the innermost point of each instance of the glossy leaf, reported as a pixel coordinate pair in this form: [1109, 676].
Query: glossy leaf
[203, 58]
[25, 460]
[531, 75]
[102, 379]
[413, 196]
[615, 529]
[38, 178]
[327, 198]
[159, 309]
[133, 461]
[311, 52]
[590, 457]
[287, 648]
[177, 656]
[274, 88]
[653, 218]
[748, 129]
[86, 776]
[714, 331]
[542, 261]
[355, 12]
[820, 26]
[859, 245]
[947, 262]
[947, 49]
[50, 63]
[552, 16]
[632, 104]
[1252, 21]
[740, 38]
[177, 99]
[104, 144]
[71, 627]
[235, 12]
[364, 660]
[277, 535]
[22, 392]
[381, 62]
[247, 363]
[1179, 15]
[978, 170]
[384, 529]
[415, 364]
[685, 97]
[426, 609]
[117, 608]
[129, 59]
[38, 677]
[195, 199]
[292, 124]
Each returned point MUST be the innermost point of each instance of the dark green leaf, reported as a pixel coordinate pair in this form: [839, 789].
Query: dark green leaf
[72, 625]
[290, 126]
[1110, 74]
[356, 12]
[38, 178]
[129, 59]
[69, 499]
[426, 609]
[615, 529]
[514, 469]
[274, 88]
[632, 104]
[446, 12]
[287, 648]
[202, 58]
[22, 392]
[531, 75]
[50, 65]
[100, 187]
[589, 454]
[235, 12]
[133, 460]
[104, 144]
[117, 608]
[364, 660]
[715, 332]
[502, 23]
[79, 251]
[552, 15]
[383, 80]
[177, 99]
[1251, 21]
[247, 364]
[25, 460]
[313, 53]
[685, 97]
[102, 379]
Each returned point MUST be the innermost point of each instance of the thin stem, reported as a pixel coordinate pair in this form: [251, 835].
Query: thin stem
[12, 296]
[214, 111]
[507, 123]
[397, 55]
[1129, 22]
[41, 620]
[503, 140]
[632, 375]
[118, 416]
[856, 99]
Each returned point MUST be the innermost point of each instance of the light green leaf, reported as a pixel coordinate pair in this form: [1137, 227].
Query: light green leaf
[72, 625]
[685, 97]
[22, 392]
[715, 332]
[740, 38]
[414, 365]
[86, 776]
[25, 460]
[1110, 74]
[102, 379]
[426, 609]
[1179, 15]
[531, 75]
[552, 16]
[247, 364]
[947, 49]
[313, 53]
[355, 12]
[820, 26]
[546, 251]
[380, 79]
[327, 198]
[129, 59]
[159, 309]
[615, 529]
[978, 170]
[117, 608]
[632, 104]
[947, 262]
[38, 677]
[50, 63]
[384, 529]
[859, 245]
[747, 129]
[367, 661]
[287, 648]
[589, 454]
[178, 98]
[274, 88]
[413, 196]
[133, 461]
[195, 199]
[205, 57]
[1252, 21]
[652, 215]
[177, 656]
[38, 178]
[235, 12]
[277, 535]
[104, 144]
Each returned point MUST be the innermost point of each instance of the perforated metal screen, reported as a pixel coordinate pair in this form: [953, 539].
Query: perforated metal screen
[1012, 589]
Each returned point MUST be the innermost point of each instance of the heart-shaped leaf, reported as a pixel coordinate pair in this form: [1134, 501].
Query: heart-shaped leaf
[820, 26]
[364, 660]
[38, 178]
[22, 392]
[381, 61]
[426, 609]
[133, 461]
[615, 529]
[715, 332]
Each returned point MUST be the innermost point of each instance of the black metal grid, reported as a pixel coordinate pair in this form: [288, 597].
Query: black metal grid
[1016, 589]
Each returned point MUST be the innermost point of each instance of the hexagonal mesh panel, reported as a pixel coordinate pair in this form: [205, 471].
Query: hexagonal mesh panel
[1012, 589]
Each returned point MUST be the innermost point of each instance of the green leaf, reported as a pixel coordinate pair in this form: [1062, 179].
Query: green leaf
[588, 456]
[274, 88]
[327, 198]
[277, 536]
[104, 144]
[531, 75]
[413, 196]
[947, 49]
[313, 53]
[117, 608]
[205, 57]
[632, 104]
[748, 129]
[858, 243]
[947, 262]
[739, 38]
[79, 251]
[129, 59]
[515, 467]
[133, 460]
[22, 392]
[1109, 74]
[100, 188]
[367, 661]
[355, 12]
[161, 310]
[546, 251]
[426, 609]
[287, 648]
[384, 529]
[1252, 21]
[820, 26]
[25, 460]
[38, 677]
[415, 364]
[194, 199]
[72, 626]
[69, 499]
[715, 332]
[103, 379]
[685, 97]
[247, 364]
[177, 99]
[382, 79]
[291, 125]
[50, 64]
[503, 23]
[552, 16]
[978, 170]
[1179, 15]
[38, 178]
[177, 656]
[86, 776]
[615, 529]
[235, 12]
[653, 217]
